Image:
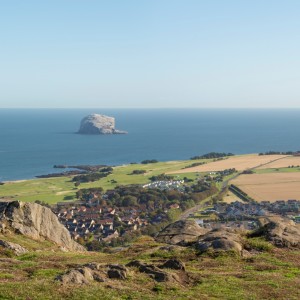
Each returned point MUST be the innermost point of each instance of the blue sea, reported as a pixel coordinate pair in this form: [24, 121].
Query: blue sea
[33, 140]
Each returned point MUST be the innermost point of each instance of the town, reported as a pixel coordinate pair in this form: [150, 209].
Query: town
[105, 217]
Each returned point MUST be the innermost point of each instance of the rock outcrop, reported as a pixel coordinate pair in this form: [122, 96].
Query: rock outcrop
[174, 264]
[15, 248]
[98, 124]
[90, 272]
[37, 222]
[281, 233]
[180, 232]
[220, 240]
[152, 271]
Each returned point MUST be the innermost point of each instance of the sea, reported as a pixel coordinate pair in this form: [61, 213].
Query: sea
[32, 141]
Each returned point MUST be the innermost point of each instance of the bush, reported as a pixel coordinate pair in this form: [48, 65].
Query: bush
[136, 172]
[149, 161]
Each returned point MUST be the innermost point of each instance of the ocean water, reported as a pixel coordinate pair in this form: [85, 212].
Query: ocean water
[33, 140]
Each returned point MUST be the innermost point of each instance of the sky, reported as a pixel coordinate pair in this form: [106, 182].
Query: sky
[142, 54]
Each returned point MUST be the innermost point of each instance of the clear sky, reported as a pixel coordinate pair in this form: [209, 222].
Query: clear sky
[150, 53]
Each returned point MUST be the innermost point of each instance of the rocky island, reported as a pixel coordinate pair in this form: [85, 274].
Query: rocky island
[98, 124]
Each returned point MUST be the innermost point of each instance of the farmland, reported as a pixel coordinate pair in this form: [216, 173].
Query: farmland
[240, 163]
[283, 163]
[270, 186]
[273, 180]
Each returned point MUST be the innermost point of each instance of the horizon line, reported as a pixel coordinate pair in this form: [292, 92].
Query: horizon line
[190, 107]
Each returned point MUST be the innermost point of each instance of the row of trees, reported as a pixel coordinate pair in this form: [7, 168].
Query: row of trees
[212, 155]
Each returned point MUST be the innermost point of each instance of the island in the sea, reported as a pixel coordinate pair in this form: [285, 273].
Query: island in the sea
[99, 124]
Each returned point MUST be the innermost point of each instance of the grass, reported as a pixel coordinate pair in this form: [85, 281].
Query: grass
[259, 244]
[53, 190]
[268, 275]
[276, 170]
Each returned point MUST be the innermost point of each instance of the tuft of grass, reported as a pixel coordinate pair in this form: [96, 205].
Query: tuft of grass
[158, 288]
[258, 244]
[28, 256]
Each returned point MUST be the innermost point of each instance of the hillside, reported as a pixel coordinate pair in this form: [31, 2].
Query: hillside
[163, 271]
[182, 261]
[267, 275]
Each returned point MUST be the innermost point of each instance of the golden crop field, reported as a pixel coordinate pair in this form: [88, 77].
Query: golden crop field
[283, 163]
[240, 163]
[270, 186]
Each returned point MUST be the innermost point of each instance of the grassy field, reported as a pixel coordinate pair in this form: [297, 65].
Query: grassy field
[273, 274]
[52, 190]
[276, 170]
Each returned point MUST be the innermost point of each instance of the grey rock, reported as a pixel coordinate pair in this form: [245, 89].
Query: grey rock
[180, 232]
[117, 272]
[72, 277]
[37, 222]
[81, 275]
[153, 271]
[16, 248]
[220, 240]
[98, 276]
[87, 273]
[93, 266]
[282, 233]
[98, 124]
[174, 264]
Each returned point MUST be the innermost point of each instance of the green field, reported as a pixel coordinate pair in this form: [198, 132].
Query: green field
[276, 170]
[53, 190]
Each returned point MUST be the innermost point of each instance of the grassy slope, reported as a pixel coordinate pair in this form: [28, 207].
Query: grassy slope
[53, 190]
[268, 275]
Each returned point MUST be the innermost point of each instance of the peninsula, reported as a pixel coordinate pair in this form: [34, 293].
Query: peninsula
[98, 124]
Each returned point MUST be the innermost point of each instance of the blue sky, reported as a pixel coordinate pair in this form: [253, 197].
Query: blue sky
[158, 53]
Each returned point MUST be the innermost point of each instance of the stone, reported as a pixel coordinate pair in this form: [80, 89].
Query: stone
[98, 124]
[220, 240]
[72, 277]
[282, 233]
[153, 271]
[98, 276]
[174, 264]
[93, 266]
[16, 248]
[87, 273]
[37, 222]
[180, 233]
[117, 272]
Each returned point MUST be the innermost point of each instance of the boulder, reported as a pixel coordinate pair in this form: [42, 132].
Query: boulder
[220, 240]
[180, 232]
[117, 272]
[73, 276]
[98, 124]
[37, 222]
[16, 248]
[153, 271]
[174, 264]
[80, 275]
[280, 232]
